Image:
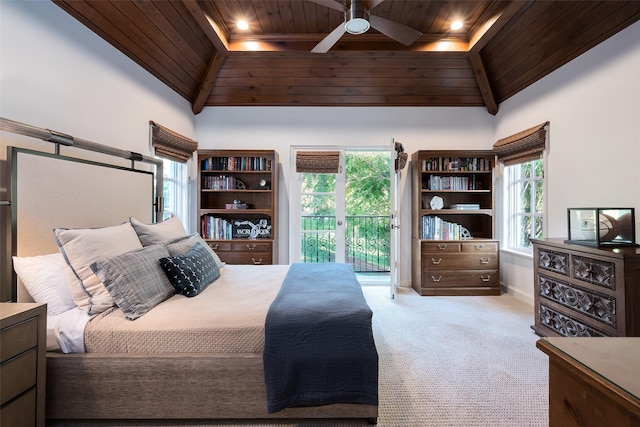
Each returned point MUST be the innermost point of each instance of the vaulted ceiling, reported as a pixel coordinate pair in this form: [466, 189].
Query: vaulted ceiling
[196, 49]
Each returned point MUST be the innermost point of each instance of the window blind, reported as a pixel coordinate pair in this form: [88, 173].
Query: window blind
[522, 146]
[170, 144]
[317, 161]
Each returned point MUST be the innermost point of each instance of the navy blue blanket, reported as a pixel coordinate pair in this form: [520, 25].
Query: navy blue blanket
[319, 346]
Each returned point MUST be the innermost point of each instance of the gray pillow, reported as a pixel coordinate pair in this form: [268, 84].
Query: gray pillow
[135, 279]
[159, 232]
[183, 244]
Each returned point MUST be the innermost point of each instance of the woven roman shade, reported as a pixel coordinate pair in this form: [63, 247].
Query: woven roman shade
[170, 144]
[522, 146]
[318, 161]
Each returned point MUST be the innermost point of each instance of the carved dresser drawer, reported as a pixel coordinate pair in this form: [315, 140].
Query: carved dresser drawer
[460, 267]
[583, 291]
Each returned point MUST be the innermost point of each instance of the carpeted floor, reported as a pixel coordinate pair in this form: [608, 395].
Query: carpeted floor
[446, 361]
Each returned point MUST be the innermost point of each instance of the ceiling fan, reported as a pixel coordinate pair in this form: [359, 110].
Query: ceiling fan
[358, 19]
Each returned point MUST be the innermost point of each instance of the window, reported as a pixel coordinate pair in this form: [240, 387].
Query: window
[175, 151]
[176, 190]
[524, 203]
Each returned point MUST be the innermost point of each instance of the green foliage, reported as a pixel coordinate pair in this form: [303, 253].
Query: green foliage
[367, 194]
[368, 183]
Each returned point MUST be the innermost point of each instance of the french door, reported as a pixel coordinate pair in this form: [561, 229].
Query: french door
[326, 227]
[318, 215]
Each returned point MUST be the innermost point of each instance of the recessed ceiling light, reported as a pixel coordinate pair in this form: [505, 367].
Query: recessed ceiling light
[456, 25]
[242, 25]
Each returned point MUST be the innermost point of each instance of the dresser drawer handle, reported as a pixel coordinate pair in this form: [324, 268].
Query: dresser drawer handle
[484, 260]
[442, 246]
[479, 246]
[485, 279]
[434, 279]
[258, 262]
[436, 261]
[213, 246]
[251, 247]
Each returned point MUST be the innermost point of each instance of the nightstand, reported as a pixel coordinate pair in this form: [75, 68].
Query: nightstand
[23, 345]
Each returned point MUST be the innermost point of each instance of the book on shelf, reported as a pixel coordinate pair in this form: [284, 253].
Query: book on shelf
[221, 182]
[216, 228]
[461, 164]
[451, 183]
[236, 164]
[465, 206]
[435, 228]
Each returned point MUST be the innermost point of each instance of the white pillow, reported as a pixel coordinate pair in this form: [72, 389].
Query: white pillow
[44, 278]
[82, 247]
[159, 232]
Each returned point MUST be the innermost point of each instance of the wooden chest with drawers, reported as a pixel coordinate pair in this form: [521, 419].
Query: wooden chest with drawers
[450, 267]
[583, 291]
[23, 345]
[244, 251]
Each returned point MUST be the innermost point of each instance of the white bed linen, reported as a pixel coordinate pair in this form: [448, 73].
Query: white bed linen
[227, 317]
[65, 331]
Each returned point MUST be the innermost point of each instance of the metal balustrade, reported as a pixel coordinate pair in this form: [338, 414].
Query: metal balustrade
[367, 245]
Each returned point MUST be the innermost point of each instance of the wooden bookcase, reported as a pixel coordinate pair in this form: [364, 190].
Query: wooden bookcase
[244, 232]
[453, 224]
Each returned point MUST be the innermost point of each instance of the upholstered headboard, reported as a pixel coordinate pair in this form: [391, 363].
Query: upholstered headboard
[49, 191]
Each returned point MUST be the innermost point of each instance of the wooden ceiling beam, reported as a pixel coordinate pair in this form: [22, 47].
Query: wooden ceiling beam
[483, 83]
[220, 43]
[480, 38]
[209, 26]
[207, 83]
[361, 42]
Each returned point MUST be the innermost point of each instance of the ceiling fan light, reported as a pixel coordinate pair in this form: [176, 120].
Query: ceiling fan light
[357, 26]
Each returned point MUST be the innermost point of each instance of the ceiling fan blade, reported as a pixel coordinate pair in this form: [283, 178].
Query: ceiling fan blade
[333, 4]
[370, 4]
[394, 30]
[327, 42]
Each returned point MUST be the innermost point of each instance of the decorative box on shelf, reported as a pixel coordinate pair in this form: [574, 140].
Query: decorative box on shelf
[601, 226]
[237, 204]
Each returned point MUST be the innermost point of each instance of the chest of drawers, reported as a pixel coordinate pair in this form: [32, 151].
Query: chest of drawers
[23, 363]
[581, 291]
[458, 268]
[244, 251]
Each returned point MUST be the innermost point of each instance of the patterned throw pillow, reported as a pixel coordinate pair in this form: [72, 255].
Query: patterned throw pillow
[191, 272]
[135, 280]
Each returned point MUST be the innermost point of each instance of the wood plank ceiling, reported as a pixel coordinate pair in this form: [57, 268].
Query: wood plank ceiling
[195, 48]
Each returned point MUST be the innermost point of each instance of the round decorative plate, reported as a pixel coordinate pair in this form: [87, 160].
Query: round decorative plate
[436, 202]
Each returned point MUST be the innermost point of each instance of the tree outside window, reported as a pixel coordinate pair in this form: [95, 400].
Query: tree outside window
[524, 204]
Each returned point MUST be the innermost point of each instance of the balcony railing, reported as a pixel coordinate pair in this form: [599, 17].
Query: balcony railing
[367, 245]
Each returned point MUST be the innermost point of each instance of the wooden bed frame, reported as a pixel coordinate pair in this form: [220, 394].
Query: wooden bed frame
[90, 386]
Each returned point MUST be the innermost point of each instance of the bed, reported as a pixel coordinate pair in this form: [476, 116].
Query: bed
[112, 361]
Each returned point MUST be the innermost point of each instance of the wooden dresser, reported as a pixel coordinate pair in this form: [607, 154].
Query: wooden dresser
[23, 340]
[244, 251]
[583, 291]
[459, 268]
[593, 382]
